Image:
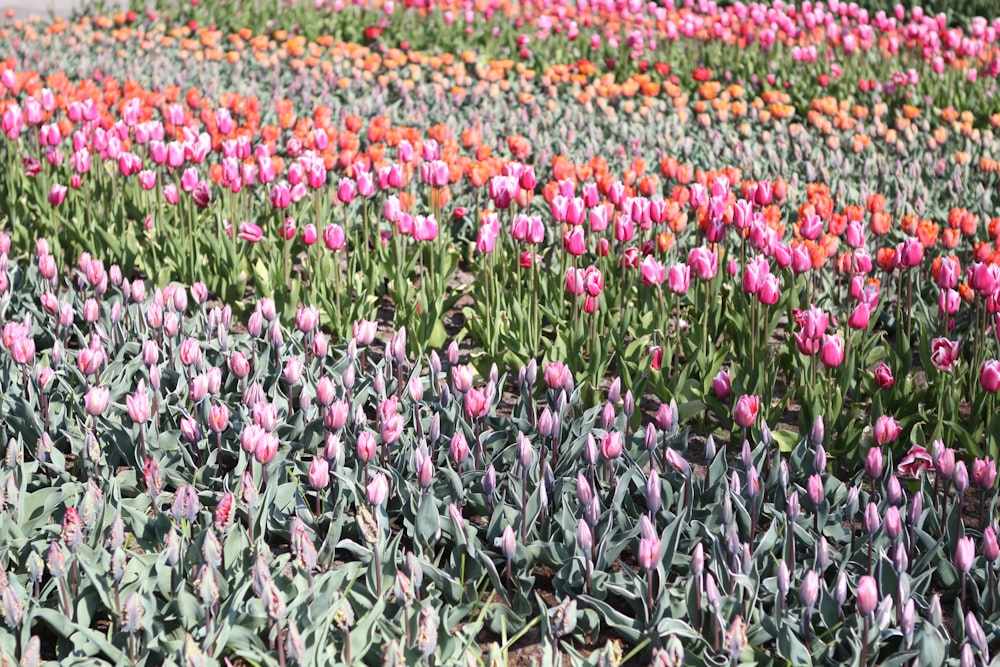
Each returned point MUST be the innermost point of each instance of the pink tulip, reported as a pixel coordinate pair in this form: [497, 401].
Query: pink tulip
[250, 232]
[832, 351]
[746, 410]
[653, 272]
[886, 430]
[944, 354]
[679, 278]
[883, 376]
[770, 290]
[867, 595]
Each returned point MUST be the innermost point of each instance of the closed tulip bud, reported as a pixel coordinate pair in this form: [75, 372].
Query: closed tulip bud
[945, 463]
[722, 385]
[490, 480]
[525, 452]
[663, 417]
[934, 610]
[894, 492]
[653, 498]
[873, 463]
[965, 554]
[872, 518]
[991, 549]
[908, 621]
[584, 537]
[319, 473]
[961, 478]
[867, 595]
[815, 489]
[592, 513]
[817, 435]
[378, 490]
[712, 593]
[508, 544]
[900, 559]
[628, 406]
[974, 632]
[893, 523]
[809, 590]
[968, 657]
[459, 448]
[916, 509]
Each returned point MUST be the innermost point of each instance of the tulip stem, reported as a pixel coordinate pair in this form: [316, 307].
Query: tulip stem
[864, 644]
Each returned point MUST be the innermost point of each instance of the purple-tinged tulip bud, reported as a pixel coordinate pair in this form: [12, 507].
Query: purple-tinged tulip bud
[894, 492]
[873, 463]
[319, 473]
[434, 430]
[525, 452]
[945, 463]
[727, 507]
[508, 545]
[974, 632]
[819, 460]
[490, 481]
[56, 560]
[653, 492]
[628, 406]
[822, 554]
[867, 595]
[965, 554]
[916, 509]
[397, 346]
[753, 484]
[584, 537]
[545, 423]
[651, 439]
[712, 593]
[784, 580]
[710, 448]
[934, 611]
[584, 492]
[815, 489]
[961, 478]
[445, 397]
[991, 549]
[872, 518]
[591, 453]
[900, 559]
[615, 391]
[792, 508]
[746, 455]
[851, 502]
[190, 430]
[840, 589]
[968, 657]
[592, 513]
[784, 474]
[607, 416]
[817, 435]
[908, 621]
[698, 560]
[378, 490]
[678, 462]
[809, 590]
[893, 523]
[664, 419]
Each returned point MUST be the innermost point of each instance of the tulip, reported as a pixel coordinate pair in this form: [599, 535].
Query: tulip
[873, 463]
[746, 410]
[944, 354]
[886, 430]
[96, 400]
[989, 376]
[832, 351]
[377, 490]
[721, 385]
[867, 596]
[883, 376]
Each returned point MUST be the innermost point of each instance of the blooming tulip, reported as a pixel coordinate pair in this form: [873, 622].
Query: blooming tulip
[746, 409]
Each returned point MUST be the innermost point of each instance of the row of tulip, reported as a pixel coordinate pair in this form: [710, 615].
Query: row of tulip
[177, 491]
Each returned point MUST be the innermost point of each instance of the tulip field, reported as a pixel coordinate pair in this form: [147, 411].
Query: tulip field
[489, 332]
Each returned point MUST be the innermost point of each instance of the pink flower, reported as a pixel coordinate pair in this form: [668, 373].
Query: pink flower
[57, 194]
[832, 351]
[679, 278]
[883, 376]
[652, 270]
[989, 375]
[250, 232]
[916, 461]
[721, 385]
[886, 430]
[944, 353]
[746, 410]
[703, 262]
[867, 595]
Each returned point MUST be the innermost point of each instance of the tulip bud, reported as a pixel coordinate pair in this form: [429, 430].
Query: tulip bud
[809, 590]
[584, 537]
[867, 595]
[508, 545]
[965, 554]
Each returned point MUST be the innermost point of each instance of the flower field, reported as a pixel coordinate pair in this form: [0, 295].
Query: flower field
[499, 332]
